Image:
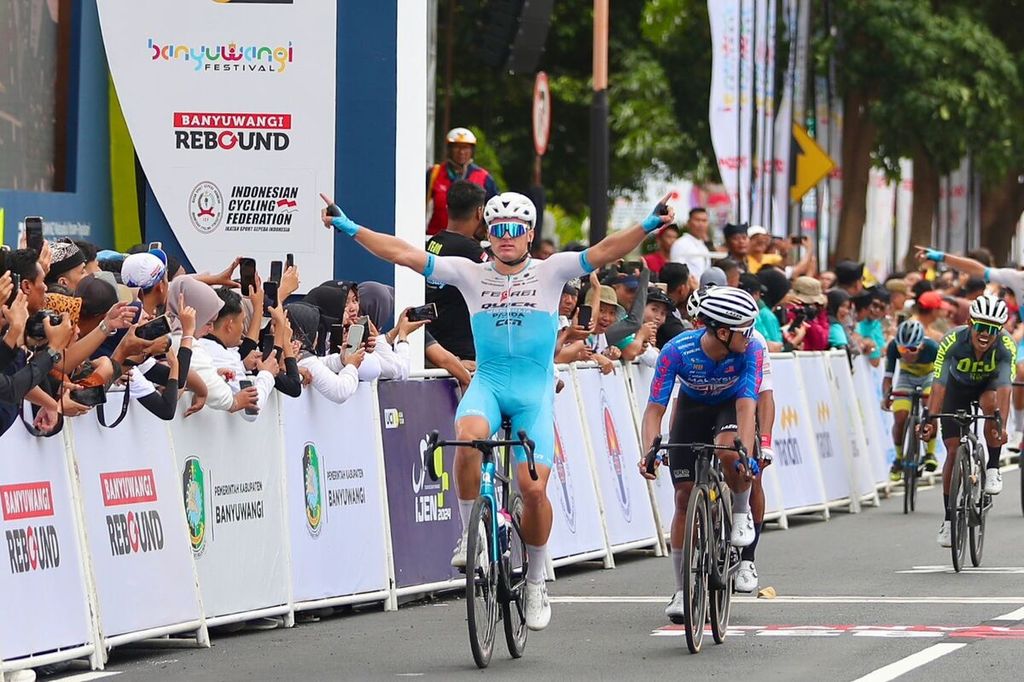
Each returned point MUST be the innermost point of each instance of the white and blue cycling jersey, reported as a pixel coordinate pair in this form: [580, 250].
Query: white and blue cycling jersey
[702, 379]
[515, 329]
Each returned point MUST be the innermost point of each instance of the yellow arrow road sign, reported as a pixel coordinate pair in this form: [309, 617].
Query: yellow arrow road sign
[812, 164]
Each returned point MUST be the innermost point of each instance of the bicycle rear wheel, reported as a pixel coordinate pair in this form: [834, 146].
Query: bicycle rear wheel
[696, 571]
[722, 560]
[978, 512]
[513, 606]
[960, 500]
[911, 464]
[481, 582]
[1020, 464]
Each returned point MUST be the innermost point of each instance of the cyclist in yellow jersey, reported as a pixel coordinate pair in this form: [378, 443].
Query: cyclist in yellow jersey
[916, 356]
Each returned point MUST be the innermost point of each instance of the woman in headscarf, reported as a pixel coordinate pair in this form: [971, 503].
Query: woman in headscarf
[338, 303]
[337, 385]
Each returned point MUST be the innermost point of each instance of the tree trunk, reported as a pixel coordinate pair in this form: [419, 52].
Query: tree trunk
[1001, 207]
[859, 134]
[922, 211]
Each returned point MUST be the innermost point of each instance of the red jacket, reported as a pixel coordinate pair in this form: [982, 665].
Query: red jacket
[439, 180]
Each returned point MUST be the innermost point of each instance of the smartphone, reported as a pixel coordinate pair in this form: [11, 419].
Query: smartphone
[423, 312]
[796, 240]
[289, 261]
[337, 334]
[247, 275]
[269, 295]
[34, 233]
[154, 329]
[16, 287]
[267, 344]
[244, 384]
[275, 270]
[90, 397]
[585, 313]
[355, 336]
[632, 267]
[156, 245]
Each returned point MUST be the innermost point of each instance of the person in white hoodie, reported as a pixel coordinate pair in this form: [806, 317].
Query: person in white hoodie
[337, 383]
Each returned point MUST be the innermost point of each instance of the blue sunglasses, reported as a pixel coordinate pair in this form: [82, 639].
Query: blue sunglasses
[502, 230]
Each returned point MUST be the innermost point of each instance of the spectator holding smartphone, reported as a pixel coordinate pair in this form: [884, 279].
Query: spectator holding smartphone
[335, 385]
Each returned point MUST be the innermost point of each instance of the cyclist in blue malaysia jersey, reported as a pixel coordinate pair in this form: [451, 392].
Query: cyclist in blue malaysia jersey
[513, 305]
[719, 369]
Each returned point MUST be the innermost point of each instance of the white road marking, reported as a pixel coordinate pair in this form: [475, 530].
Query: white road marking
[87, 677]
[1012, 615]
[988, 570]
[905, 665]
[794, 599]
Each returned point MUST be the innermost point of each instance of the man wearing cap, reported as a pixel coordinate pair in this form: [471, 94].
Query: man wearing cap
[848, 277]
[928, 311]
[693, 248]
[757, 257]
[67, 267]
[807, 290]
[461, 143]
[609, 313]
[737, 243]
[766, 323]
[147, 272]
[631, 293]
[898, 294]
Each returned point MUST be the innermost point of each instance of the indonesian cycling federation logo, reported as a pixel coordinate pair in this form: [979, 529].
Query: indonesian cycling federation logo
[567, 493]
[193, 483]
[311, 485]
[206, 207]
[611, 438]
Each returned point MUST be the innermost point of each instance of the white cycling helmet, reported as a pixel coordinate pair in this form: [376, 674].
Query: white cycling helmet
[510, 206]
[460, 135]
[910, 334]
[727, 307]
[989, 309]
[693, 304]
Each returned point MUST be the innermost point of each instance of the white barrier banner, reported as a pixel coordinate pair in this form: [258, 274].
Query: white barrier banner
[879, 440]
[577, 519]
[850, 412]
[231, 473]
[43, 603]
[664, 491]
[796, 460]
[335, 502]
[230, 107]
[138, 540]
[835, 471]
[627, 508]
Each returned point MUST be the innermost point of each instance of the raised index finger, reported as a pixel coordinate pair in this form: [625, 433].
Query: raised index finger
[664, 199]
[327, 199]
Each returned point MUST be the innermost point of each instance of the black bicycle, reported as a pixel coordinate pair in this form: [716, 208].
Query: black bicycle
[968, 503]
[710, 562]
[1020, 460]
[495, 550]
[912, 447]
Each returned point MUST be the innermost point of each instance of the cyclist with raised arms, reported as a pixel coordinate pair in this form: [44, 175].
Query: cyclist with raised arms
[916, 356]
[976, 362]
[719, 368]
[513, 304]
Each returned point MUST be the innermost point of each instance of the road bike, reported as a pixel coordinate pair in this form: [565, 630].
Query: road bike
[912, 447]
[1020, 459]
[968, 503]
[710, 562]
[496, 560]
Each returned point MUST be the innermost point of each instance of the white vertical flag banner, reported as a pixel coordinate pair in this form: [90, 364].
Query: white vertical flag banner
[732, 97]
[231, 110]
[764, 54]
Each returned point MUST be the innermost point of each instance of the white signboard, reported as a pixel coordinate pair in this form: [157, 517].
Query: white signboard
[828, 435]
[796, 457]
[138, 540]
[231, 108]
[850, 415]
[334, 496]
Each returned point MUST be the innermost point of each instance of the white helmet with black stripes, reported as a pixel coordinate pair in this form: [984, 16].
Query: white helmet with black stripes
[989, 309]
[727, 307]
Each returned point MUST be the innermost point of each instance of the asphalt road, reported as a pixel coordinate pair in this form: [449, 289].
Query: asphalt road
[855, 594]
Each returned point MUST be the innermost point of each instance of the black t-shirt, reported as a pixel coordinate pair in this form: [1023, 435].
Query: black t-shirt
[452, 328]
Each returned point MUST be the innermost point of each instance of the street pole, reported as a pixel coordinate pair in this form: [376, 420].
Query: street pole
[599, 127]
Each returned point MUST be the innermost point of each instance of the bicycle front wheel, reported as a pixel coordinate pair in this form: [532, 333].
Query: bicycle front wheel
[960, 500]
[720, 601]
[978, 511]
[696, 569]
[513, 607]
[912, 460]
[481, 582]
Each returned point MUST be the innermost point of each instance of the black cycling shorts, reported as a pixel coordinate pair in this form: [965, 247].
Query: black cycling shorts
[696, 423]
[960, 396]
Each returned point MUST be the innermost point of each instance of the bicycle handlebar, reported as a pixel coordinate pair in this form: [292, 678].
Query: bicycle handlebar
[434, 442]
[965, 418]
[657, 446]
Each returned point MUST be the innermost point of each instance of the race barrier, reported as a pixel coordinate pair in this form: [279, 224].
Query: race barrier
[155, 528]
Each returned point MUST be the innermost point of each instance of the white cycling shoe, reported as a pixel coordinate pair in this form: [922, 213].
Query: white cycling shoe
[459, 555]
[676, 609]
[993, 481]
[742, 529]
[746, 577]
[538, 608]
[944, 540]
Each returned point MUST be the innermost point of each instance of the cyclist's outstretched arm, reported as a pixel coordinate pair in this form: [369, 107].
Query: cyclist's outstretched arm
[384, 246]
[615, 246]
[968, 265]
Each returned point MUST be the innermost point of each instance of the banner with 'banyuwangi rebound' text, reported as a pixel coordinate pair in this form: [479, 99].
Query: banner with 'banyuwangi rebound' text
[231, 110]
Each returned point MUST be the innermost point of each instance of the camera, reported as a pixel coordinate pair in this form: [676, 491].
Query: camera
[90, 397]
[35, 329]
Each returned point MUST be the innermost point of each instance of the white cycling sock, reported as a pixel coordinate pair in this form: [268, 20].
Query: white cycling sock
[677, 565]
[465, 511]
[1018, 419]
[536, 563]
[741, 502]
